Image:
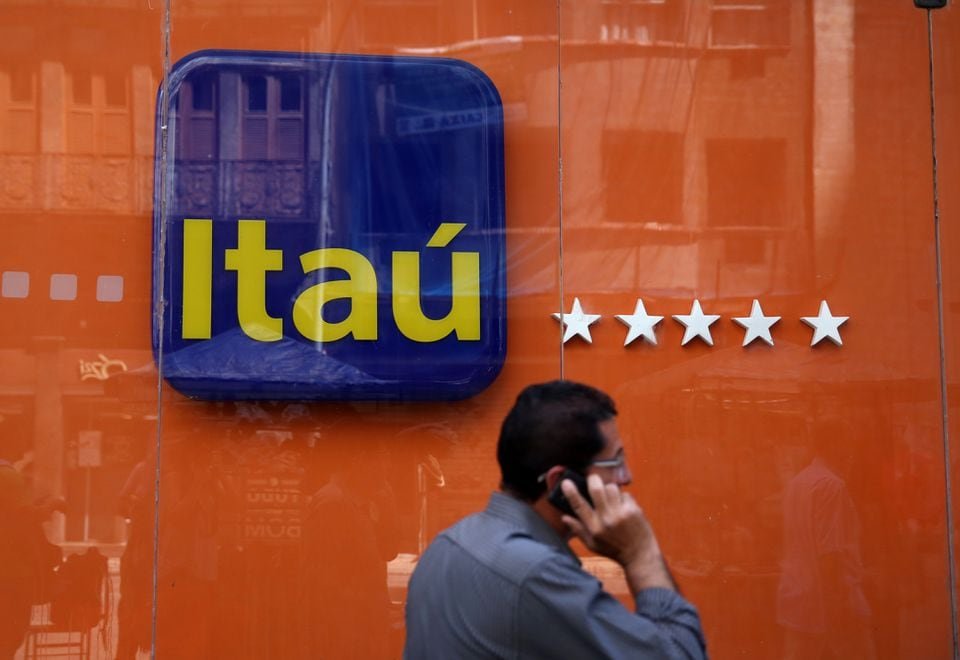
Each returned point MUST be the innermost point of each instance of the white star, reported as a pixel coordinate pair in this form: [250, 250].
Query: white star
[757, 325]
[576, 322]
[640, 323]
[697, 324]
[825, 325]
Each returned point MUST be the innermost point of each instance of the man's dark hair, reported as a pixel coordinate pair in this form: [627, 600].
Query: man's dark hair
[554, 423]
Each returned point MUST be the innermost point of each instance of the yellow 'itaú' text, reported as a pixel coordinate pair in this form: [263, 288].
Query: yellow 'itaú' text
[252, 260]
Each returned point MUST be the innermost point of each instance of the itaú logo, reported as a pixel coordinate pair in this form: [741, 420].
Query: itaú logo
[329, 227]
[253, 261]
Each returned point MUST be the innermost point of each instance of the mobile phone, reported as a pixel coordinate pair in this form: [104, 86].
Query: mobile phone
[559, 500]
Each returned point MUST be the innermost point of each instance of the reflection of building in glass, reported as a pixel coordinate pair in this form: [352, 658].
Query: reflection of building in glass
[76, 169]
[692, 127]
[724, 131]
[242, 133]
[699, 128]
[74, 143]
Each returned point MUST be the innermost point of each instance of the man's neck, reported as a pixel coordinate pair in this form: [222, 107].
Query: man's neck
[552, 515]
[545, 510]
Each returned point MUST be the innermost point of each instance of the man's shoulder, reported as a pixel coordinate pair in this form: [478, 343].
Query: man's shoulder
[506, 549]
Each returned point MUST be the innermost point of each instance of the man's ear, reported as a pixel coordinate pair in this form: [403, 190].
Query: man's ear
[552, 476]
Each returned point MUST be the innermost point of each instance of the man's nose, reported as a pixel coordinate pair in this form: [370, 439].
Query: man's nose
[624, 477]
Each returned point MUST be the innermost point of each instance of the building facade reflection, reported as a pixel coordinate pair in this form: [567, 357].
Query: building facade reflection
[722, 151]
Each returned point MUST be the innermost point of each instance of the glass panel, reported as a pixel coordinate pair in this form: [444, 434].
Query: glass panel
[78, 390]
[946, 85]
[797, 490]
[290, 529]
[718, 152]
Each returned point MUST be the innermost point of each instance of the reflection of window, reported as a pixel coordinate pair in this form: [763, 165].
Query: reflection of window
[198, 114]
[201, 89]
[98, 113]
[290, 93]
[643, 21]
[404, 22]
[81, 87]
[746, 181]
[22, 85]
[644, 175]
[256, 88]
[750, 23]
[273, 118]
[18, 110]
[115, 89]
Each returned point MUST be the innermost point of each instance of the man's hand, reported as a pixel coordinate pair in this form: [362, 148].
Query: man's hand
[615, 527]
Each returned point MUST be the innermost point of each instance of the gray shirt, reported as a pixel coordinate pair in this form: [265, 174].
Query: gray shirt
[502, 584]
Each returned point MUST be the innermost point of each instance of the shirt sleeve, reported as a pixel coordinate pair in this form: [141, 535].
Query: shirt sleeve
[564, 612]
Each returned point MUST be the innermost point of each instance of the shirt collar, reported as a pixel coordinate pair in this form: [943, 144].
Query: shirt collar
[523, 516]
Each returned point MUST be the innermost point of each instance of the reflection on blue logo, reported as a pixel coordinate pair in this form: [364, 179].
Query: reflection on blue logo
[329, 227]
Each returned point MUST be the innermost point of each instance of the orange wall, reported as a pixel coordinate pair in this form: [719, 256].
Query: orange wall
[780, 153]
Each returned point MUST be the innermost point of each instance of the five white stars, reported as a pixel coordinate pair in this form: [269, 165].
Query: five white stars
[757, 325]
[825, 325]
[697, 324]
[576, 322]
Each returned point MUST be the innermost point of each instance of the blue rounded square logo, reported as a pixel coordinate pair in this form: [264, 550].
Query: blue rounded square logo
[329, 227]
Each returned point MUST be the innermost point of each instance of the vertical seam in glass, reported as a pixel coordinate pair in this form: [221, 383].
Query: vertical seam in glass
[560, 184]
[160, 248]
[951, 568]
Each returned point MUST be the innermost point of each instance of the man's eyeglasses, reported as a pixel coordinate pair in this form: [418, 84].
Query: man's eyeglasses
[616, 463]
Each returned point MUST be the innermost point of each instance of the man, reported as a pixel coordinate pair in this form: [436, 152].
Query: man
[27, 558]
[503, 583]
[821, 602]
